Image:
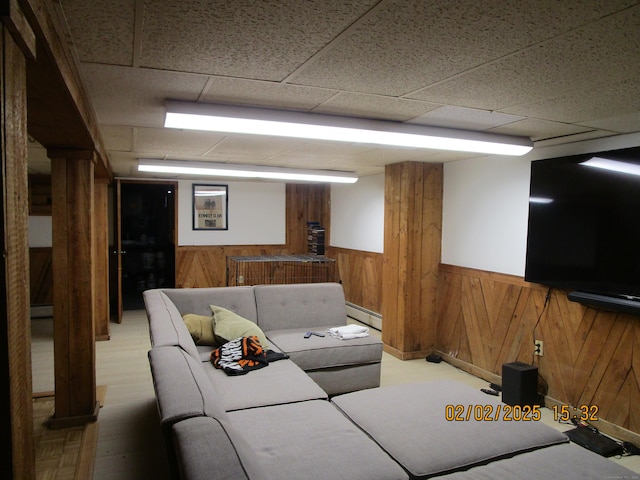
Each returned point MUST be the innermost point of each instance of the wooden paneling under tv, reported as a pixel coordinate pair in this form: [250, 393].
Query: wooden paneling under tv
[590, 357]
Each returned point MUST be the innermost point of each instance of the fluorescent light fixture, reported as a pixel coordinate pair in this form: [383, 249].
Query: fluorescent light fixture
[261, 121]
[244, 171]
[613, 165]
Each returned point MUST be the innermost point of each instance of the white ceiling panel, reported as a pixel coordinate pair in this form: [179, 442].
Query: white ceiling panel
[466, 118]
[540, 129]
[556, 72]
[238, 91]
[374, 106]
[235, 38]
[135, 96]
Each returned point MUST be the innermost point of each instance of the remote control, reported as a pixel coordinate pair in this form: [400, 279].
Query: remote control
[317, 334]
[489, 391]
[495, 387]
[308, 334]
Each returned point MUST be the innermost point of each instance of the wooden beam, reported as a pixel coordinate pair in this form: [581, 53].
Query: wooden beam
[16, 412]
[60, 112]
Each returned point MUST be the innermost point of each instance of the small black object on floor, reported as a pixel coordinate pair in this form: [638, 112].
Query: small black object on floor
[593, 440]
[434, 358]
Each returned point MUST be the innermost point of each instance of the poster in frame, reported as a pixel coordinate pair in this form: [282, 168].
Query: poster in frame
[210, 207]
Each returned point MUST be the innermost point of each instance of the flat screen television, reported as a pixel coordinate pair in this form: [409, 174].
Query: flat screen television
[584, 227]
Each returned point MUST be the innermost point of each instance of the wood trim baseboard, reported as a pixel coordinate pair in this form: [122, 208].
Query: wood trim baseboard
[406, 355]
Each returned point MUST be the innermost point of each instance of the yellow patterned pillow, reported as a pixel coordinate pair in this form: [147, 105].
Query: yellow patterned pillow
[201, 328]
[228, 325]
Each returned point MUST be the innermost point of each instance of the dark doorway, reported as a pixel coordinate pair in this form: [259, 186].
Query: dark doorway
[147, 239]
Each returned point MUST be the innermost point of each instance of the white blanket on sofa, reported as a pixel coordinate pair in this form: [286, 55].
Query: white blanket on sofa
[349, 332]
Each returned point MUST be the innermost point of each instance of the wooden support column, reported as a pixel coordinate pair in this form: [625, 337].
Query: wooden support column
[101, 256]
[72, 183]
[17, 42]
[411, 258]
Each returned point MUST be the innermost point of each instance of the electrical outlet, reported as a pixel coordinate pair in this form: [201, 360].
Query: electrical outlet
[539, 347]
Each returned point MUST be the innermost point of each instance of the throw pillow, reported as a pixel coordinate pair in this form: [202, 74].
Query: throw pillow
[228, 325]
[200, 327]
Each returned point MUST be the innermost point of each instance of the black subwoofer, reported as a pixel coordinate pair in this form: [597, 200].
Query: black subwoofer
[520, 384]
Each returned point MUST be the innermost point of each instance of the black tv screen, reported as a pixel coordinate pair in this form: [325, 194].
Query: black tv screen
[584, 223]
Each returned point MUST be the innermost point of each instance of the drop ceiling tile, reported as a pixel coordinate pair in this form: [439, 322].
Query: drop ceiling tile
[117, 138]
[578, 137]
[602, 52]
[374, 106]
[466, 118]
[264, 94]
[135, 96]
[625, 123]
[387, 156]
[403, 46]
[252, 149]
[581, 105]
[102, 30]
[124, 164]
[244, 38]
[169, 141]
[540, 129]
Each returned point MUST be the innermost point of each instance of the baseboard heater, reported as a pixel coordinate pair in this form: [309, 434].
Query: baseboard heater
[618, 304]
[363, 315]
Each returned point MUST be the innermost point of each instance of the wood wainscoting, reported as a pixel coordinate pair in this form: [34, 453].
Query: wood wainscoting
[591, 357]
[361, 276]
[207, 266]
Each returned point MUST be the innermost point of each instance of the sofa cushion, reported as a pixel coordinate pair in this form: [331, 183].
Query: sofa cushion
[228, 325]
[279, 383]
[166, 326]
[309, 305]
[200, 327]
[197, 300]
[205, 452]
[566, 462]
[409, 422]
[307, 441]
[182, 387]
[338, 380]
[321, 352]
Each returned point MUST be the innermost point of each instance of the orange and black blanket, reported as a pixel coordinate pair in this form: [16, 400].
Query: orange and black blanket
[242, 355]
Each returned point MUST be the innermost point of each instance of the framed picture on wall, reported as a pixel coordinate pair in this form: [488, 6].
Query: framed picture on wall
[210, 207]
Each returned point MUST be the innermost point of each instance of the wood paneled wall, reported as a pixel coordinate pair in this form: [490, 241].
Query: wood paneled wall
[306, 203]
[590, 357]
[361, 276]
[205, 266]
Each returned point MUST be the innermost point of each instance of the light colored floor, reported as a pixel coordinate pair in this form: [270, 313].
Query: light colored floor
[129, 443]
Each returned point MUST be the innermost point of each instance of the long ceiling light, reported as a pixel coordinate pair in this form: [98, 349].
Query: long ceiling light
[260, 121]
[244, 171]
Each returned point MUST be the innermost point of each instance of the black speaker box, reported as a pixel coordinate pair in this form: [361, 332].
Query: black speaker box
[520, 384]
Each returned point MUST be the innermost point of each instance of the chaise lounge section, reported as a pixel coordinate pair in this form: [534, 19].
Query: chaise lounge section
[311, 416]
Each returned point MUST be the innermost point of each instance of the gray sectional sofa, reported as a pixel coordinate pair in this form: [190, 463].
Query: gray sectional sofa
[320, 413]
